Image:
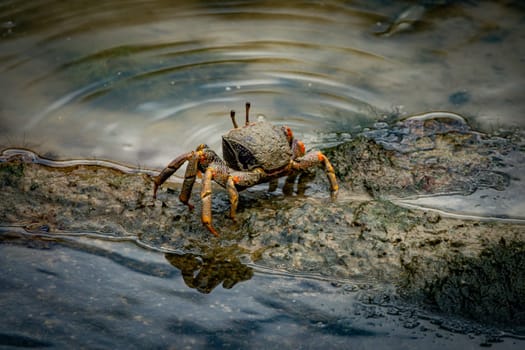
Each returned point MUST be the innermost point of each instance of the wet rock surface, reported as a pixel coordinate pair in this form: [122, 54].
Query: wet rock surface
[472, 268]
[439, 154]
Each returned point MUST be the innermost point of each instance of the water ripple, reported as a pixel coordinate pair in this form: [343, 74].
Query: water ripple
[142, 83]
[31, 157]
[161, 113]
[185, 79]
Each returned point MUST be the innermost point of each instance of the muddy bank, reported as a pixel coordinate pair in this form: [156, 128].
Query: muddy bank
[471, 268]
[434, 153]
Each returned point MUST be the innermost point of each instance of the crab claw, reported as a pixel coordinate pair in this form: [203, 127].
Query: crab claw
[211, 229]
[169, 170]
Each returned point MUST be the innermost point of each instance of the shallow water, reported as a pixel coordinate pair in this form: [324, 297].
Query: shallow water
[101, 294]
[141, 82]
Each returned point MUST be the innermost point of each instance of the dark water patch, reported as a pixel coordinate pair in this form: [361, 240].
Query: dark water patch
[232, 334]
[187, 295]
[344, 327]
[49, 273]
[120, 307]
[50, 242]
[21, 341]
[459, 98]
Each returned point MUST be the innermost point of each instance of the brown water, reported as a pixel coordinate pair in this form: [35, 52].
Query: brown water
[141, 82]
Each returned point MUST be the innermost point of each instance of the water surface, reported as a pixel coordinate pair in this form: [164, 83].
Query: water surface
[139, 82]
[102, 294]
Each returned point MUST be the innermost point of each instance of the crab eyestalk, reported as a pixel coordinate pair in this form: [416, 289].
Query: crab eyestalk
[232, 115]
[247, 113]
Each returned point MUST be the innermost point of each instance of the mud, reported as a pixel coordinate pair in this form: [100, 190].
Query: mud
[432, 154]
[471, 268]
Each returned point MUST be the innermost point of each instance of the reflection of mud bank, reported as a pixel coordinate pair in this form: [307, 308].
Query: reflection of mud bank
[467, 267]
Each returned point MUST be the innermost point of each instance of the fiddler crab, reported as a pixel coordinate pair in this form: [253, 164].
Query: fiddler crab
[255, 153]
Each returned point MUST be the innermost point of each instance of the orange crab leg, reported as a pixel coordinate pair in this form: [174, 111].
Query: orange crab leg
[189, 179]
[315, 158]
[206, 201]
[169, 170]
[234, 195]
[330, 174]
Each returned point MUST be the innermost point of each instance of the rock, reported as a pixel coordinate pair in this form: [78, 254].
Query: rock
[473, 268]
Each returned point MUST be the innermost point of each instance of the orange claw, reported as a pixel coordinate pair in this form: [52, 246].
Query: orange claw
[211, 229]
[289, 133]
[206, 201]
[302, 149]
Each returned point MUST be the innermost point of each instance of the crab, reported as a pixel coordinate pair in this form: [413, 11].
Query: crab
[255, 153]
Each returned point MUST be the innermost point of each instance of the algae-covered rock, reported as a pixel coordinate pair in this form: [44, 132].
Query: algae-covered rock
[423, 156]
[472, 267]
[489, 286]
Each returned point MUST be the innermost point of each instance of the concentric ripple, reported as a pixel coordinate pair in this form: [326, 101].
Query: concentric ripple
[141, 81]
[159, 82]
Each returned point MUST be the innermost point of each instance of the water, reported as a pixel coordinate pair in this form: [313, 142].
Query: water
[141, 82]
[101, 294]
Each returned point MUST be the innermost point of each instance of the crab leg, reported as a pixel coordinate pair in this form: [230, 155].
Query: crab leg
[189, 179]
[234, 196]
[169, 170]
[206, 200]
[272, 185]
[317, 158]
[289, 183]
[302, 183]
